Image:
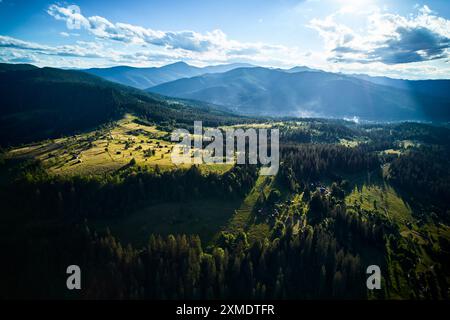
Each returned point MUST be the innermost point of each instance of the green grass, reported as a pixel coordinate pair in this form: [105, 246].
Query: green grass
[106, 150]
[219, 168]
[243, 218]
[258, 232]
[383, 200]
[350, 143]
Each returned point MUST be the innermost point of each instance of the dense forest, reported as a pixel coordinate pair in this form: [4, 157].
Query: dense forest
[424, 174]
[319, 244]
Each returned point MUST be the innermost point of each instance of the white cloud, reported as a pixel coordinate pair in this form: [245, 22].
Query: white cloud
[201, 48]
[127, 33]
[389, 38]
[16, 50]
[81, 49]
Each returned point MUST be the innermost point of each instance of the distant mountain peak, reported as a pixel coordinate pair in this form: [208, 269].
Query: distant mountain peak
[178, 63]
[301, 69]
[143, 78]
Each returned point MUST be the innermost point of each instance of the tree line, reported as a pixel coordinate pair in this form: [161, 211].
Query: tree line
[120, 193]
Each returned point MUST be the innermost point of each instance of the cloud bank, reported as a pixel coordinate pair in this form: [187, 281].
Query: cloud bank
[104, 29]
[210, 45]
[389, 38]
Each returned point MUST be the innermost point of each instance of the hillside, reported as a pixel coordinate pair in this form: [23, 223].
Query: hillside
[40, 103]
[279, 93]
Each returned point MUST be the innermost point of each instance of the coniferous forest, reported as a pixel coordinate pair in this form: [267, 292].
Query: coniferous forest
[346, 196]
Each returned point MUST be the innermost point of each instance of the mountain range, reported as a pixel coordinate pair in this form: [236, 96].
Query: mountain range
[143, 78]
[305, 92]
[299, 91]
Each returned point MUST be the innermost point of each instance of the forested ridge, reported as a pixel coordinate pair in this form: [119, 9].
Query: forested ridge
[424, 173]
[41, 103]
[119, 194]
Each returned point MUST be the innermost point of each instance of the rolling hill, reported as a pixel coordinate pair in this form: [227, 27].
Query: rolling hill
[273, 92]
[143, 78]
[40, 103]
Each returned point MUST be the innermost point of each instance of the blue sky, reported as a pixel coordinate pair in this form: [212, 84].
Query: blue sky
[408, 39]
